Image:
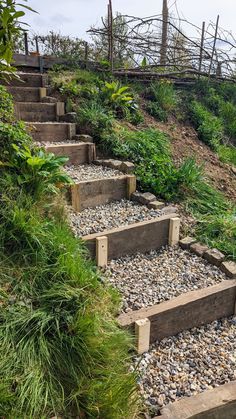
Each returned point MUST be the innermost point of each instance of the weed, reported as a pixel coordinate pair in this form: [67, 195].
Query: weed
[94, 119]
[227, 154]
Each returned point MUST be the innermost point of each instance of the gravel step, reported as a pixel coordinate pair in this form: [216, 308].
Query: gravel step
[145, 280]
[187, 364]
[90, 172]
[106, 217]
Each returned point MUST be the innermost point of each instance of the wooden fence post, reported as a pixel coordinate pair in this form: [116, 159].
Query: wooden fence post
[214, 45]
[201, 48]
[26, 43]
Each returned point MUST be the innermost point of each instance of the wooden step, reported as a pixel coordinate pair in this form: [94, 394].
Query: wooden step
[79, 153]
[192, 309]
[27, 94]
[90, 194]
[28, 80]
[38, 112]
[139, 237]
[50, 132]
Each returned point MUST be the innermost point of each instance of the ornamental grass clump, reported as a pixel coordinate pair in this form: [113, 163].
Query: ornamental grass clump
[62, 353]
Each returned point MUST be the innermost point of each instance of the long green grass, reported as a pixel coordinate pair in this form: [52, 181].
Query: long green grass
[62, 353]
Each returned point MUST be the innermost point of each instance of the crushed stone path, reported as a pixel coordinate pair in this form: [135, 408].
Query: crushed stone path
[147, 279]
[187, 364]
[106, 217]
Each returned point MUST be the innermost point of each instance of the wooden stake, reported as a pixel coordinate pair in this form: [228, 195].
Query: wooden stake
[26, 43]
[102, 251]
[165, 16]
[142, 335]
[131, 185]
[214, 45]
[42, 92]
[75, 197]
[201, 47]
[60, 109]
[174, 231]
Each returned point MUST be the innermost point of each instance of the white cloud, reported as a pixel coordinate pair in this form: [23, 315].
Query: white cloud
[74, 17]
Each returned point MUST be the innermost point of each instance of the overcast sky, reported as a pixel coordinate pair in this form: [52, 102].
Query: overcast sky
[74, 17]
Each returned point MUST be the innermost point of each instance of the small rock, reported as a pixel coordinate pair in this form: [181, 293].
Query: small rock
[229, 268]
[214, 256]
[48, 99]
[156, 205]
[146, 198]
[186, 242]
[127, 167]
[198, 248]
[69, 117]
[169, 210]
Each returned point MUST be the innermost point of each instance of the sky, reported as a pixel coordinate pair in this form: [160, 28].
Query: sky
[74, 17]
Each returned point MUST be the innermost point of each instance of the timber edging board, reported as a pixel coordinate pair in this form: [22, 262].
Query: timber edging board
[192, 309]
[79, 153]
[219, 403]
[139, 237]
[89, 194]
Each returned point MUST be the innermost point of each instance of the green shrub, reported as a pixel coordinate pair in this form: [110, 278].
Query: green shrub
[208, 126]
[118, 97]
[6, 106]
[227, 154]
[61, 350]
[155, 171]
[164, 99]
[93, 119]
[227, 111]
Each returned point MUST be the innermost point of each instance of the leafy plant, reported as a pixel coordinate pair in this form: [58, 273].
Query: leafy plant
[163, 99]
[208, 126]
[94, 119]
[118, 97]
[227, 154]
[10, 28]
[6, 106]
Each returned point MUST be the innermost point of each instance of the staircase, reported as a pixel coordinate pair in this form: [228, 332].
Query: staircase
[123, 223]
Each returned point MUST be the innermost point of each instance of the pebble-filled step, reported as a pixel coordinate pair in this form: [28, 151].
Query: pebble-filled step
[187, 364]
[90, 172]
[109, 216]
[148, 279]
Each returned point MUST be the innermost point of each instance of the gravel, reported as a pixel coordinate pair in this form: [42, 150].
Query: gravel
[90, 172]
[106, 217]
[147, 279]
[187, 364]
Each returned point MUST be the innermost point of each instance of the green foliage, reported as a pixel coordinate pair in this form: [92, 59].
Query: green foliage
[220, 98]
[163, 99]
[62, 353]
[219, 231]
[118, 97]
[155, 171]
[93, 119]
[61, 350]
[227, 154]
[208, 126]
[6, 106]
[10, 28]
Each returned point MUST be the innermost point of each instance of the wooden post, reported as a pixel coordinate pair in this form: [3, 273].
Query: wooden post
[201, 48]
[60, 109]
[26, 43]
[131, 185]
[75, 197]
[110, 36]
[214, 45]
[37, 44]
[164, 38]
[86, 54]
[102, 251]
[142, 335]
[42, 92]
[174, 231]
